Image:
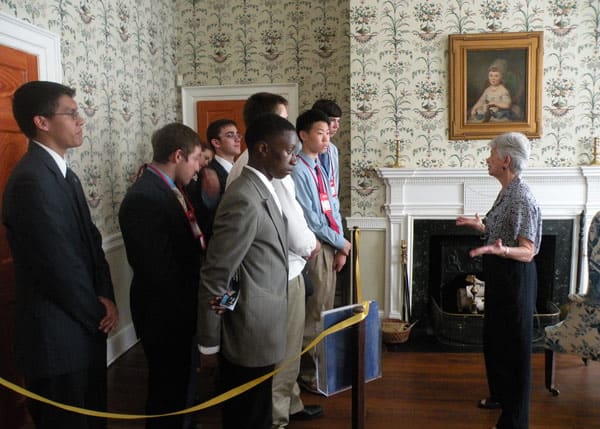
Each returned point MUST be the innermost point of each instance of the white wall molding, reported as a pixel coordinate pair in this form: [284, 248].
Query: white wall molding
[563, 193]
[42, 43]
[366, 223]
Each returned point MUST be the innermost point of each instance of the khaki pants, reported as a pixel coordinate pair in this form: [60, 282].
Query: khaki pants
[323, 278]
[286, 393]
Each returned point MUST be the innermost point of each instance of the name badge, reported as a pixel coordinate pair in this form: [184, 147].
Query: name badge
[325, 206]
[332, 187]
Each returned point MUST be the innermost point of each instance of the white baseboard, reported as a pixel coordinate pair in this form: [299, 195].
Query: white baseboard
[367, 223]
[120, 343]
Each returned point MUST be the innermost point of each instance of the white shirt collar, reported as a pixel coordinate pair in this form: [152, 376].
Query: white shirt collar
[60, 161]
[268, 184]
[224, 163]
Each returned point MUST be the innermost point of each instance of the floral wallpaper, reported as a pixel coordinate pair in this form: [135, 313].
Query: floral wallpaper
[124, 57]
[120, 57]
[384, 61]
[399, 84]
[227, 42]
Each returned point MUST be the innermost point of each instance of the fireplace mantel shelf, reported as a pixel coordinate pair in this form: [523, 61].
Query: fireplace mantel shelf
[562, 193]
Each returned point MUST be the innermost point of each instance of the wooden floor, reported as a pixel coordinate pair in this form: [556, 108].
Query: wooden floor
[417, 390]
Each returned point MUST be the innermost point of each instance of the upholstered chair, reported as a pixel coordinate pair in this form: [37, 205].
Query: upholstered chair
[579, 332]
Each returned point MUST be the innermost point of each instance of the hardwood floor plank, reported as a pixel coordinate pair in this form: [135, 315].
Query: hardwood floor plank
[417, 390]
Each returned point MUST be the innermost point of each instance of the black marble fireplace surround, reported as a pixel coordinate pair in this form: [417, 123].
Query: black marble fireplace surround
[440, 262]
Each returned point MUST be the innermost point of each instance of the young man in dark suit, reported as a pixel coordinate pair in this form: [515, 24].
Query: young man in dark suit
[205, 193]
[163, 244]
[250, 242]
[65, 300]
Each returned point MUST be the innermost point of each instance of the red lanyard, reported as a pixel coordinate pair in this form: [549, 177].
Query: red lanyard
[323, 196]
[331, 173]
[188, 210]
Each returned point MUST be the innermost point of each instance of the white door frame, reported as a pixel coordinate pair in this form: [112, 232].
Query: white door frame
[26, 37]
[190, 95]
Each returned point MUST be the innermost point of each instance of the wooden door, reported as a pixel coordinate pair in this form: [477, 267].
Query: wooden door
[16, 68]
[209, 111]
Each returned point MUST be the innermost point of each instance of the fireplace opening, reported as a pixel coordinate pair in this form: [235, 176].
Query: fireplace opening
[441, 264]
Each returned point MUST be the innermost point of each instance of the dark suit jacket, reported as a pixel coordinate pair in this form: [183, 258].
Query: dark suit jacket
[221, 172]
[165, 258]
[60, 269]
[205, 209]
[249, 234]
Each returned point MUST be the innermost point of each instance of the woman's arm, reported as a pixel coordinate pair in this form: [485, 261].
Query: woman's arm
[524, 252]
[479, 104]
[473, 222]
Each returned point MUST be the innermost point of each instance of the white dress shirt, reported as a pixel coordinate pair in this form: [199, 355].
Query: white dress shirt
[60, 161]
[301, 240]
[224, 163]
[237, 168]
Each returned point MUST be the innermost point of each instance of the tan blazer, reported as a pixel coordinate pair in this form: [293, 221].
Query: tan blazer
[249, 232]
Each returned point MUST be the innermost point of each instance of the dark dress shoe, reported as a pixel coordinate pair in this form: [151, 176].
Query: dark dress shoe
[309, 386]
[309, 412]
[488, 404]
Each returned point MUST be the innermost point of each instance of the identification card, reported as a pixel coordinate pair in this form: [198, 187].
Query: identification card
[229, 300]
[325, 206]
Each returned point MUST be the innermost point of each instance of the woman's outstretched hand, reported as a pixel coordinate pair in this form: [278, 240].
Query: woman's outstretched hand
[473, 222]
[491, 249]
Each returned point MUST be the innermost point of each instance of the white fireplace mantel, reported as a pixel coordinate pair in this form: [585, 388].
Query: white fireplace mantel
[563, 193]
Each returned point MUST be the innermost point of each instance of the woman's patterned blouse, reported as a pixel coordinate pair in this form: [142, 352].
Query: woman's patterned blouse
[515, 214]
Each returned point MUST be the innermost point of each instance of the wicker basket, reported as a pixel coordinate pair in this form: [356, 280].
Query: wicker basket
[395, 331]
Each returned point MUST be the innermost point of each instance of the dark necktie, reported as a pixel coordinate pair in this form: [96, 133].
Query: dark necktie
[77, 193]
[73, 183]
[80, 203]
[71, 178]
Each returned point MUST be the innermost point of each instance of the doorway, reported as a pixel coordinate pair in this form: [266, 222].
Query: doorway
[191, 95]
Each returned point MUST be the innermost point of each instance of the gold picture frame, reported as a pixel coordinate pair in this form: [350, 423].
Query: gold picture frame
[495, 84]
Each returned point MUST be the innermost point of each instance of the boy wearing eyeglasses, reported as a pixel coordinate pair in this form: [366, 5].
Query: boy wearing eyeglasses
[65, 304]
[205, 193]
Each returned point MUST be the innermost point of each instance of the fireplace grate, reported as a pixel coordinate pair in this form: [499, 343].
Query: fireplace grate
[467, 328]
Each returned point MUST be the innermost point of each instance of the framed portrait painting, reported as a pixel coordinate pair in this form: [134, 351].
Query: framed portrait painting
[495, 84]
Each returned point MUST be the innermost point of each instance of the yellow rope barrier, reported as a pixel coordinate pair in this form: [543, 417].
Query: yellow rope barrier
[211, 402]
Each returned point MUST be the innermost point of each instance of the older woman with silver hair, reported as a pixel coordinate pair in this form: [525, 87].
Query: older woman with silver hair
[513, 231]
